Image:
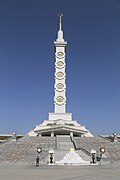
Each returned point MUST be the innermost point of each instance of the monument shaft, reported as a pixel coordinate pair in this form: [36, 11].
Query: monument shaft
[60, 74]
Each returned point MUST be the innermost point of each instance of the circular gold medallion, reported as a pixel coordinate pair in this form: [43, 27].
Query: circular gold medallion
[60, 75]
[60, 54]
[60, 87]
[60, 100]
[60, 64]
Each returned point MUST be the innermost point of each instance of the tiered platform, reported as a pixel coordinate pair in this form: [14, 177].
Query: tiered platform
[25, 149]
[112, 149]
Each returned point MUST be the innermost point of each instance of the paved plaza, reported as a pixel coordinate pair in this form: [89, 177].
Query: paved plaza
[27, 172]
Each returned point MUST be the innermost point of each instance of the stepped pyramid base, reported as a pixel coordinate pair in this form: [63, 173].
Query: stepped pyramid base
[60, 124]
[25, 149]
[73, 159]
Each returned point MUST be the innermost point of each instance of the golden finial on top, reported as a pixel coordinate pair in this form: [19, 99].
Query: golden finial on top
[60, 16]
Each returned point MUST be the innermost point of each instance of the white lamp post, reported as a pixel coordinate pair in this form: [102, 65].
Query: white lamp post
[15, 136]
[102, 151]
[114, 137]
[39, 150]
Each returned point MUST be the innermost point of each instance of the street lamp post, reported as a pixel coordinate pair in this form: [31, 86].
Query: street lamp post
[39, 150]
[102, 151]
[15, 136]
[114, 137]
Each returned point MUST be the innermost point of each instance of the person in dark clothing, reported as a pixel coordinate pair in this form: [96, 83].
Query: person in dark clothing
[93, 158]
[37, 160]
[51, 159]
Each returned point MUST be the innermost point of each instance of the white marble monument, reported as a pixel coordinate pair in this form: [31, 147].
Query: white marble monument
[72, 159]
[60, 122]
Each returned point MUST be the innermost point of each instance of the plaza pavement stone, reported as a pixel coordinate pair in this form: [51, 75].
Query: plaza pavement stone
[15, 171]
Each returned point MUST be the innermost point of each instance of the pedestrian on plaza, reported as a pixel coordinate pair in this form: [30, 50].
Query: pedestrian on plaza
[37, 160]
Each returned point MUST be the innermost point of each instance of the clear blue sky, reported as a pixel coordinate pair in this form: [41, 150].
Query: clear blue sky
[28, 29]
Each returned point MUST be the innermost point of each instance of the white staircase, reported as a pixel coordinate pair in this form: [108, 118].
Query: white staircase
[64, 142]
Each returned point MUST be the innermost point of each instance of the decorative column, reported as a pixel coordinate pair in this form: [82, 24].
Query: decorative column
[60, 75]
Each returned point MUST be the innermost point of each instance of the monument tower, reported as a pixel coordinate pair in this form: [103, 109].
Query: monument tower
[60, 122]
[60, 75]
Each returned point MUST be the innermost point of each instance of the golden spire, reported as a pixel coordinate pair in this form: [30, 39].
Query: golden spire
[60, 24]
